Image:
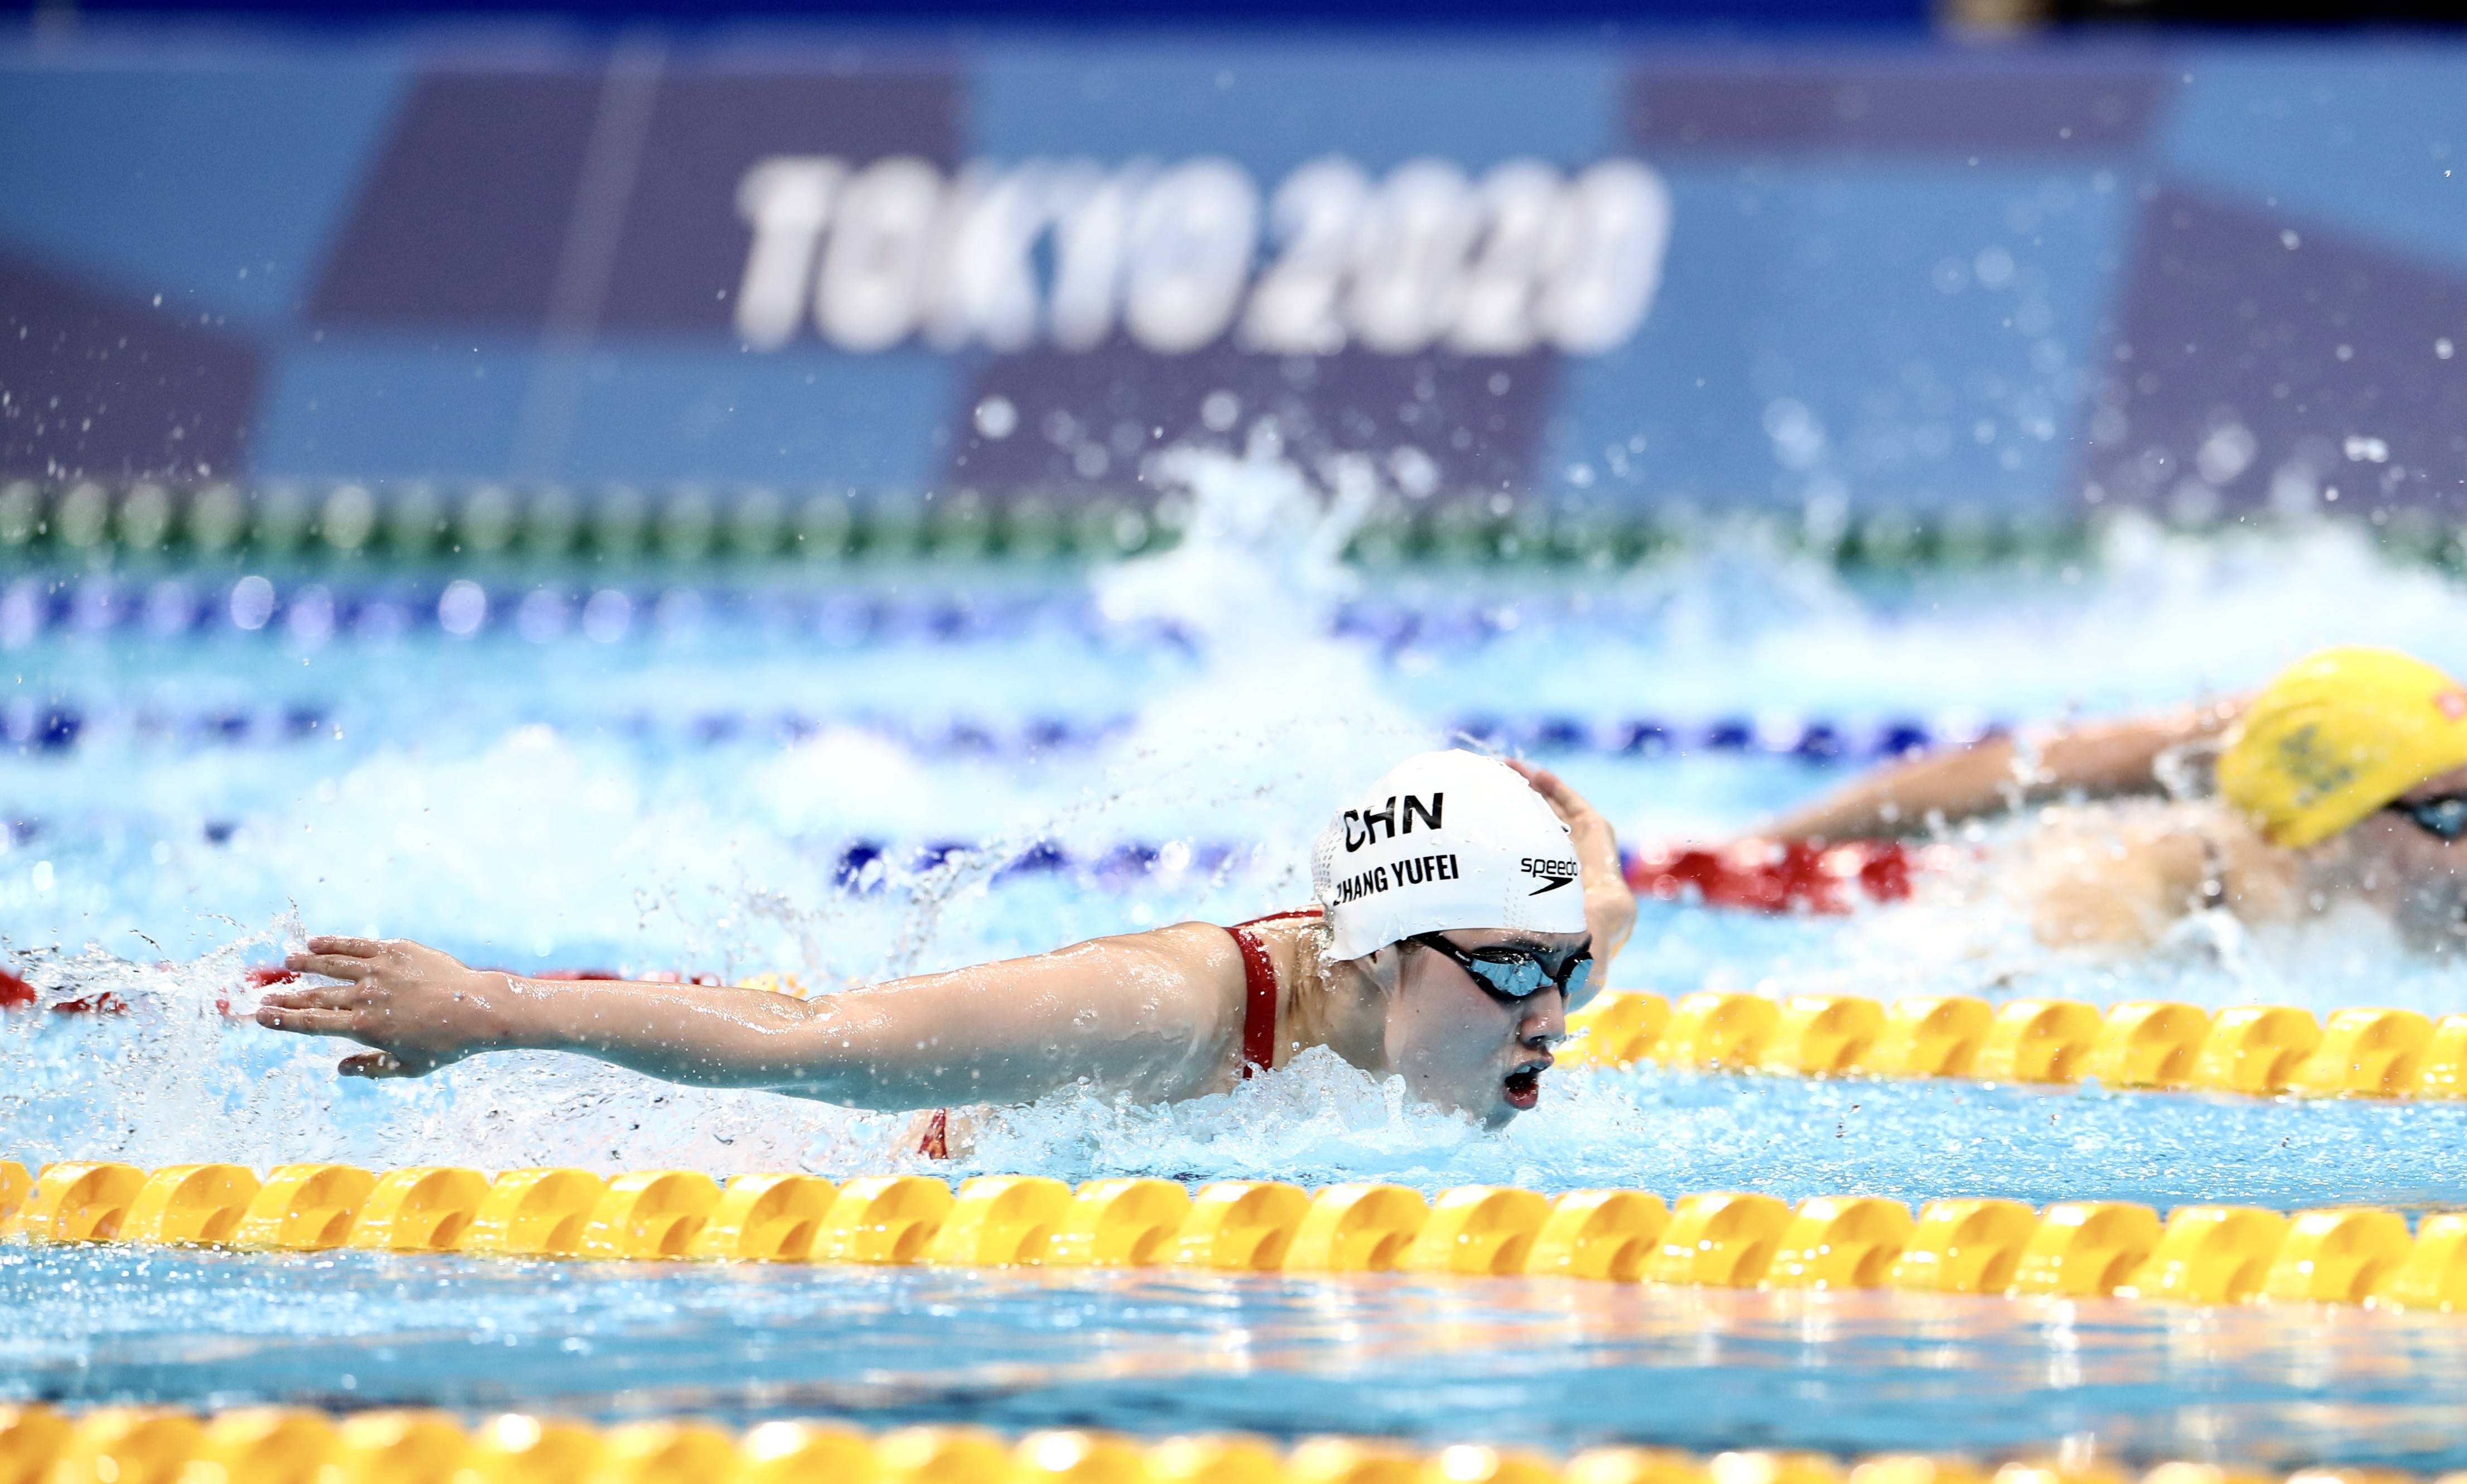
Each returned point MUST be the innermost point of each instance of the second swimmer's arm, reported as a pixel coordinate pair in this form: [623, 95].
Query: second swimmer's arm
[1148, 1012]
[2101, 758]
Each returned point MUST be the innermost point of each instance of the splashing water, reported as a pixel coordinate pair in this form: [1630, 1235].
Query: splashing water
[493, 797]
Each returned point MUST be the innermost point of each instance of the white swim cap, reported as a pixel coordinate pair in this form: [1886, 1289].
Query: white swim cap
[1446, 840]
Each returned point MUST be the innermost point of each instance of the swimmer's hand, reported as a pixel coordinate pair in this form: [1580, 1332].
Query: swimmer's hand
[420, 1009]
[1610, 906]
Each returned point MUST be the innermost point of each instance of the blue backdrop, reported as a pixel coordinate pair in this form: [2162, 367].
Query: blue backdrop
[2215, 276]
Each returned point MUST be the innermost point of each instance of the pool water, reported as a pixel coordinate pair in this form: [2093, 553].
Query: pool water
[742, 776]
[1543, 1362]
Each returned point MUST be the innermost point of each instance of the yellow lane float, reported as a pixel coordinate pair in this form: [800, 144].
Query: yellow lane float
[2258, 1051]
[120, 1444]
[2198, 1254]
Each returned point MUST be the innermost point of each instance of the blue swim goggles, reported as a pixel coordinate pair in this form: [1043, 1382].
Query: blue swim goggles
[1516, 974]
[2443, 818]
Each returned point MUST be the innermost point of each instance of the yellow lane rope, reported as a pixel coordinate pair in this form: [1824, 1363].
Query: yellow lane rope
[288, 1446]
[2198, 1254]
[2262, 1050]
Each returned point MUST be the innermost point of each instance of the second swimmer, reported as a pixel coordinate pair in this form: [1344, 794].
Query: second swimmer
[2341, 783]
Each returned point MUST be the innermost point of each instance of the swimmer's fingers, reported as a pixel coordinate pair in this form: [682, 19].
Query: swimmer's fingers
[381, 1064]
[1551, 786]
[308, 1019]
[348, 947]
[333, 966]
[316, 996]
[1574, 811]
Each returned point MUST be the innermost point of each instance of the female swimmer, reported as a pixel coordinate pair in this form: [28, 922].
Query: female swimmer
[1462, 905]
[2343, 782]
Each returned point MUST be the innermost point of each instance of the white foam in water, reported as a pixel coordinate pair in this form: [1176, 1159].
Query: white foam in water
[482, 797]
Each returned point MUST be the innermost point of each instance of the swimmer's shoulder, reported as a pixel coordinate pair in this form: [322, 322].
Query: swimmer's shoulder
[1296, 940]
[1199, 946]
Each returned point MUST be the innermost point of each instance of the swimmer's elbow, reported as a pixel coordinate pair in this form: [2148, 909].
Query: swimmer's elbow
[827, 1046]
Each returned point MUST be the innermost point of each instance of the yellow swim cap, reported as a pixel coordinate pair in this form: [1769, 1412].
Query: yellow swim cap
[2338, 736]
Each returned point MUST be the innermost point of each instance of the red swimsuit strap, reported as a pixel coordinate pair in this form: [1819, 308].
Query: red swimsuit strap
[1260, 992]
[1299, 911]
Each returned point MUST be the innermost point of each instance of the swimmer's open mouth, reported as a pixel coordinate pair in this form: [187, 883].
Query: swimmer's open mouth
[1523, 1085]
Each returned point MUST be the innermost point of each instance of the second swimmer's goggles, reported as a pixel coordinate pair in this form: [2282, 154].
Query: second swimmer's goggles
[1516, 973]
[2444, 818]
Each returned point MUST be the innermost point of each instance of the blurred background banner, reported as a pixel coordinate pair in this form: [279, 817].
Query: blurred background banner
[2206, 274]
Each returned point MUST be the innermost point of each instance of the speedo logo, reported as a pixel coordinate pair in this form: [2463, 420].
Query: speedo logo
[1555, 874]
[1362, 826]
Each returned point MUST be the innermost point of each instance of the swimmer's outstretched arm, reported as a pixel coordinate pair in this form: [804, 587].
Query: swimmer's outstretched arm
[2101, 759]
[1155, 1013]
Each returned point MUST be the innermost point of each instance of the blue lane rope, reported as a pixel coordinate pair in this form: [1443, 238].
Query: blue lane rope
[60, 727]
